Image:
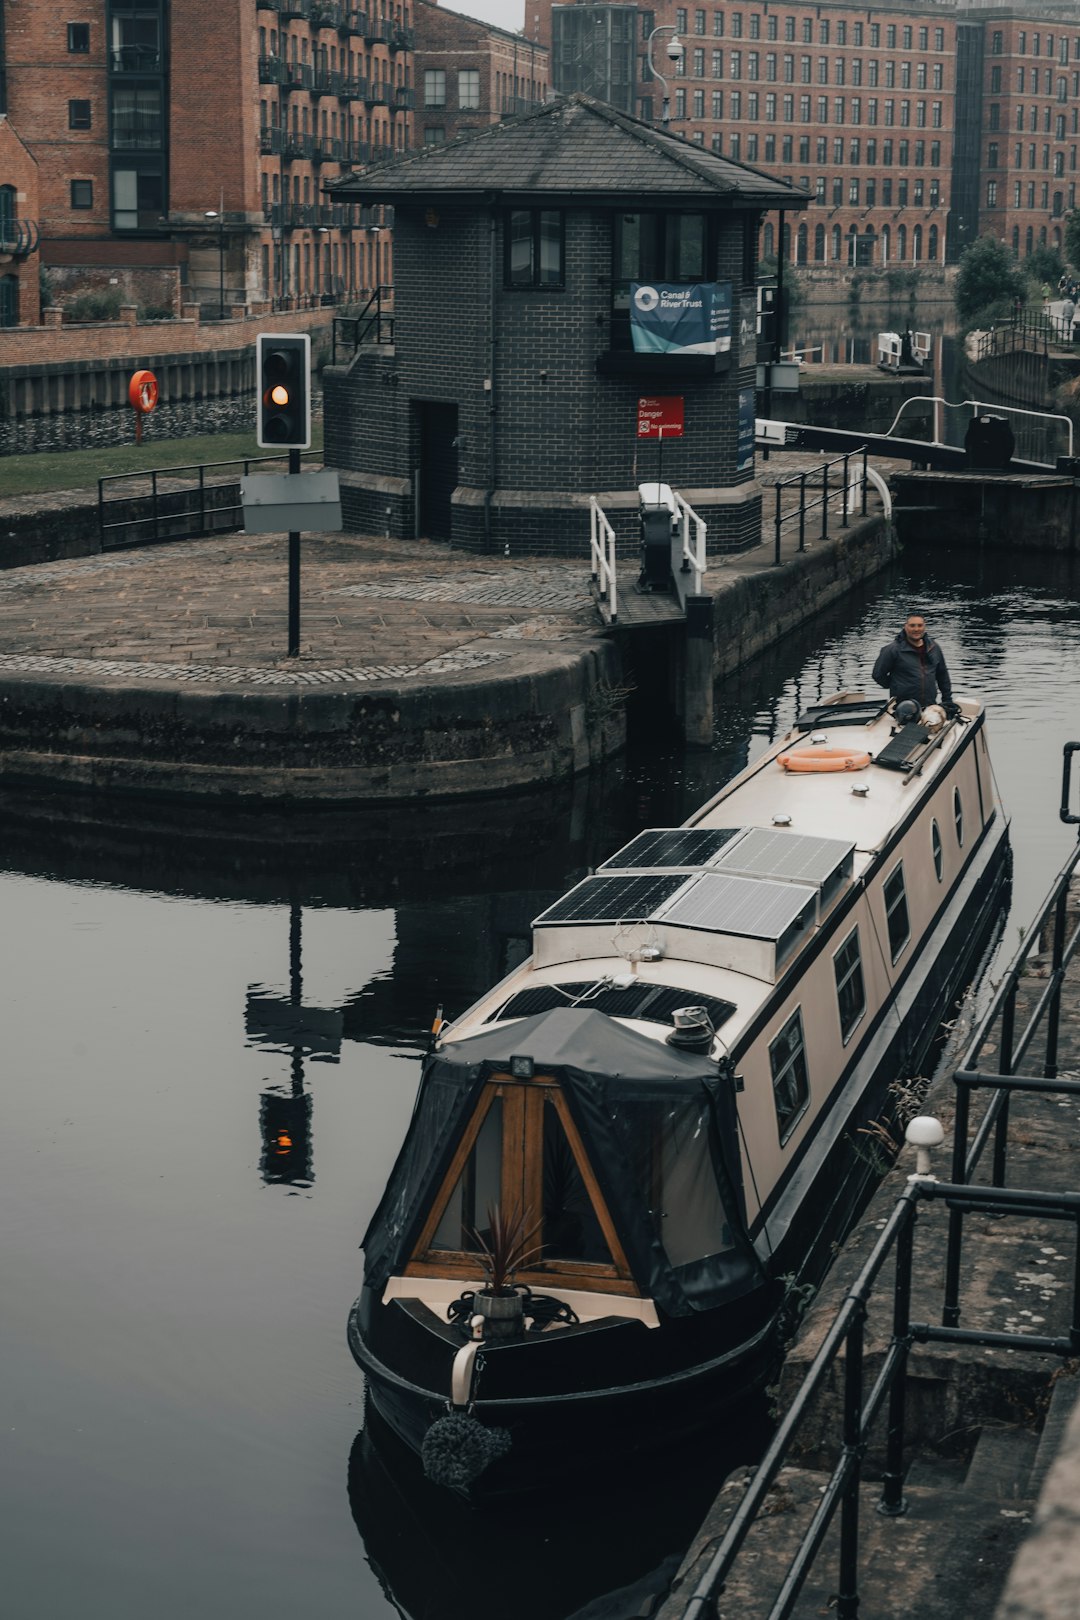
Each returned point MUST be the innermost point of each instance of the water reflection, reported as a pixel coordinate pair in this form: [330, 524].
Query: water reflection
[204, 1013]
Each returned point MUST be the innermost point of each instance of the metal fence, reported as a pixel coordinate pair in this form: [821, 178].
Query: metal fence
[847, 492]
[174, 503]
[861, 1406]
[1032, 333]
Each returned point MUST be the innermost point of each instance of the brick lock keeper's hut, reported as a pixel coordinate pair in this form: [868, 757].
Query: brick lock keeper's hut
[509, 389]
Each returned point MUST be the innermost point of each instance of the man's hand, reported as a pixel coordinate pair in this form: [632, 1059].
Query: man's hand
[952, 710]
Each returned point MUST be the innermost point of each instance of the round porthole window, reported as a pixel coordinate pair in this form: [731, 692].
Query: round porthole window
[958, 816]
[935, 845]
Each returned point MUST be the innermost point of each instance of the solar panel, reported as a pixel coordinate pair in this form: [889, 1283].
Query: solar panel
[751, 907]
[672, 846]
[795, 857]
[654, 1003]
[613, 899]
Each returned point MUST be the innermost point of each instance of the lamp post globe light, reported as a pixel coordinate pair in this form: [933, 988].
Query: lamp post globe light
[675, 51]
[214, 213]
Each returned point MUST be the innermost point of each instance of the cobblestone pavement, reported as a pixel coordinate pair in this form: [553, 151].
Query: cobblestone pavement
[215, 611]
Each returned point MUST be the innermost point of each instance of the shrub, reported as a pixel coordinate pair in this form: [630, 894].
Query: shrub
[100, 306]
[989, 276]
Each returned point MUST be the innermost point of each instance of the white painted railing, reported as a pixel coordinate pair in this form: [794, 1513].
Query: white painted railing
[602, 543]
[689, 569]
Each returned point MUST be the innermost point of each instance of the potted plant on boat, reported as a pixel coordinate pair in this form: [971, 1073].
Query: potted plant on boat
[506, 1247]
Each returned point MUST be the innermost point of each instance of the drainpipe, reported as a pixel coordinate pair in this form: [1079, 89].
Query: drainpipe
[490, 381]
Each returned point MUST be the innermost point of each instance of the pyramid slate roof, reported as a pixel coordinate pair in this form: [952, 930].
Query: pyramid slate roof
[570, 150]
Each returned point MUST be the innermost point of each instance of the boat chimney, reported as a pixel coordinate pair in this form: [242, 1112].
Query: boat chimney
[923, 1133]
[692, 1030]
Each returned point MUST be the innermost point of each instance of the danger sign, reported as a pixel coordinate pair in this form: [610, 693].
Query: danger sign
[660, 416]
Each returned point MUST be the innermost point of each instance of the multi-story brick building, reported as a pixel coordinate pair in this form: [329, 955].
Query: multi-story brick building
[469, 73]
[902, 122]
[19, 260]
[193, 140]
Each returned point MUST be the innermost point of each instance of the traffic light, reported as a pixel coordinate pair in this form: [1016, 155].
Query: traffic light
[284, 409]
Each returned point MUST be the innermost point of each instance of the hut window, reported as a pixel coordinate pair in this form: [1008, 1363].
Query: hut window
[896, 912]
[534, 247]
[850, 993]
[791, 1081]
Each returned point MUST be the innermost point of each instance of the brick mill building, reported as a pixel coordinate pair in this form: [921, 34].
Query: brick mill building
[914, 128]
[469, 74]
[510, 390]
[181, 150]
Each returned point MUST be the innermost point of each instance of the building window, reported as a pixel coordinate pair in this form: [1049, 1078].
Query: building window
[718, 64]
[435, 87]
[78, 38]
[78, 115]
[82, 194]
[896, 912]
[468, 89]
[699, 65]
[791, 1082]
[534, 247]
[995, 42]
[434, 135]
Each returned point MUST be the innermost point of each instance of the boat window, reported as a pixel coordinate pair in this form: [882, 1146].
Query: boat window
[791, 1082]
[958, 816]
[522, 1151]
[570, 1228]
[896, 913]
[674, 1169]
[935, 845]
[477, 1187]
[850, 992]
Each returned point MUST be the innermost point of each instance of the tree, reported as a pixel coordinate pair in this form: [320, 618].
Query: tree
[1046, 265]
[1072, 237]
[988, 277]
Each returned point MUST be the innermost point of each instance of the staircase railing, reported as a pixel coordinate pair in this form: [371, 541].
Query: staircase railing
[602, 554]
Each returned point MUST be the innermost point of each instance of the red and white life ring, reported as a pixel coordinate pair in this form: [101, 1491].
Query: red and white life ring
[143, 391]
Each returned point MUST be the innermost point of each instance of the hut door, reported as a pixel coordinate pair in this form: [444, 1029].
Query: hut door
[438, 467]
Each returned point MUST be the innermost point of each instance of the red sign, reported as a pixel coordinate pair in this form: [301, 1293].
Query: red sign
[663, 414]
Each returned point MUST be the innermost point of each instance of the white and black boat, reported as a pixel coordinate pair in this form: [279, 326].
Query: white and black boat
[667, 1100]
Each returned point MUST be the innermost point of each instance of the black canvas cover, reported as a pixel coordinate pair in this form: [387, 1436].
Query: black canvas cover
[624, 1091]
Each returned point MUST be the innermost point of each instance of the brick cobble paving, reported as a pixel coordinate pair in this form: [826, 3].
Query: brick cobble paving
[215, 610]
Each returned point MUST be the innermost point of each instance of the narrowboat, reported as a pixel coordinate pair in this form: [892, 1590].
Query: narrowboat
[625, 1155]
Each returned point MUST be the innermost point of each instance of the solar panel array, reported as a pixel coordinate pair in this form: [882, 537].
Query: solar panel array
[672, 846]
[795, 857]
[751, 907]
[652, 1002]
[613, 899]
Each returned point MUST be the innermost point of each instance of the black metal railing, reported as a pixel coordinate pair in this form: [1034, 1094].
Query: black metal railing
[183, 502]
[1026, 332]
[861, 1407]
[816, 489]
[373, 324]
[19, 237]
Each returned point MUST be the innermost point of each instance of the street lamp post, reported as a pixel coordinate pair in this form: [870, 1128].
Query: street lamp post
[675, 52]
[219, 215]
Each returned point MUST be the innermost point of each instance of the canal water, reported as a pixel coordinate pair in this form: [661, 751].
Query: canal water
[210, 1057]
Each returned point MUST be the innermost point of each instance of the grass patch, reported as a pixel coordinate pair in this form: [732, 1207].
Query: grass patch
[38, 474]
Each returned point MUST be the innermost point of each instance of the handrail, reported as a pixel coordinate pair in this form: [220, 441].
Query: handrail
[847, 489]
[164, 512]
[977, 405]
[860, 1409]
[602, 550]
[692, 560]
[370, 318]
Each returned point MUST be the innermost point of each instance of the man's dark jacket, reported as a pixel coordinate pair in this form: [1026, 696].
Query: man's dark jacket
[913, 672]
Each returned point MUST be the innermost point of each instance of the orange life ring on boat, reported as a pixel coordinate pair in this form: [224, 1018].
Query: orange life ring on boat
[824, 759]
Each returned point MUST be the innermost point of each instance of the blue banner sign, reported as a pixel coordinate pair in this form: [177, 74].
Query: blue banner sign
[744, 448]
[680, 317]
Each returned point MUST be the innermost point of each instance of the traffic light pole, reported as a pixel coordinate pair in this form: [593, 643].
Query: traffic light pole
[294, 574]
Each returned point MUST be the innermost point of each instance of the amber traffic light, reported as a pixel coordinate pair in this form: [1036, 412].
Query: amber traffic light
[284, 393]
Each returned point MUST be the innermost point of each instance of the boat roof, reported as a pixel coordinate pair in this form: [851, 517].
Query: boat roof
[714, 911]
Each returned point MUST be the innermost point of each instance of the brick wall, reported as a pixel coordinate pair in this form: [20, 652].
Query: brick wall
[213, 75]
[39, 346]
[552, 430]
[507, 66]
[19, 170]
[43, 77]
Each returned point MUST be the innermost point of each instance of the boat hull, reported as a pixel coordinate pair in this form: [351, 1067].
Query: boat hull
[620, 1388]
